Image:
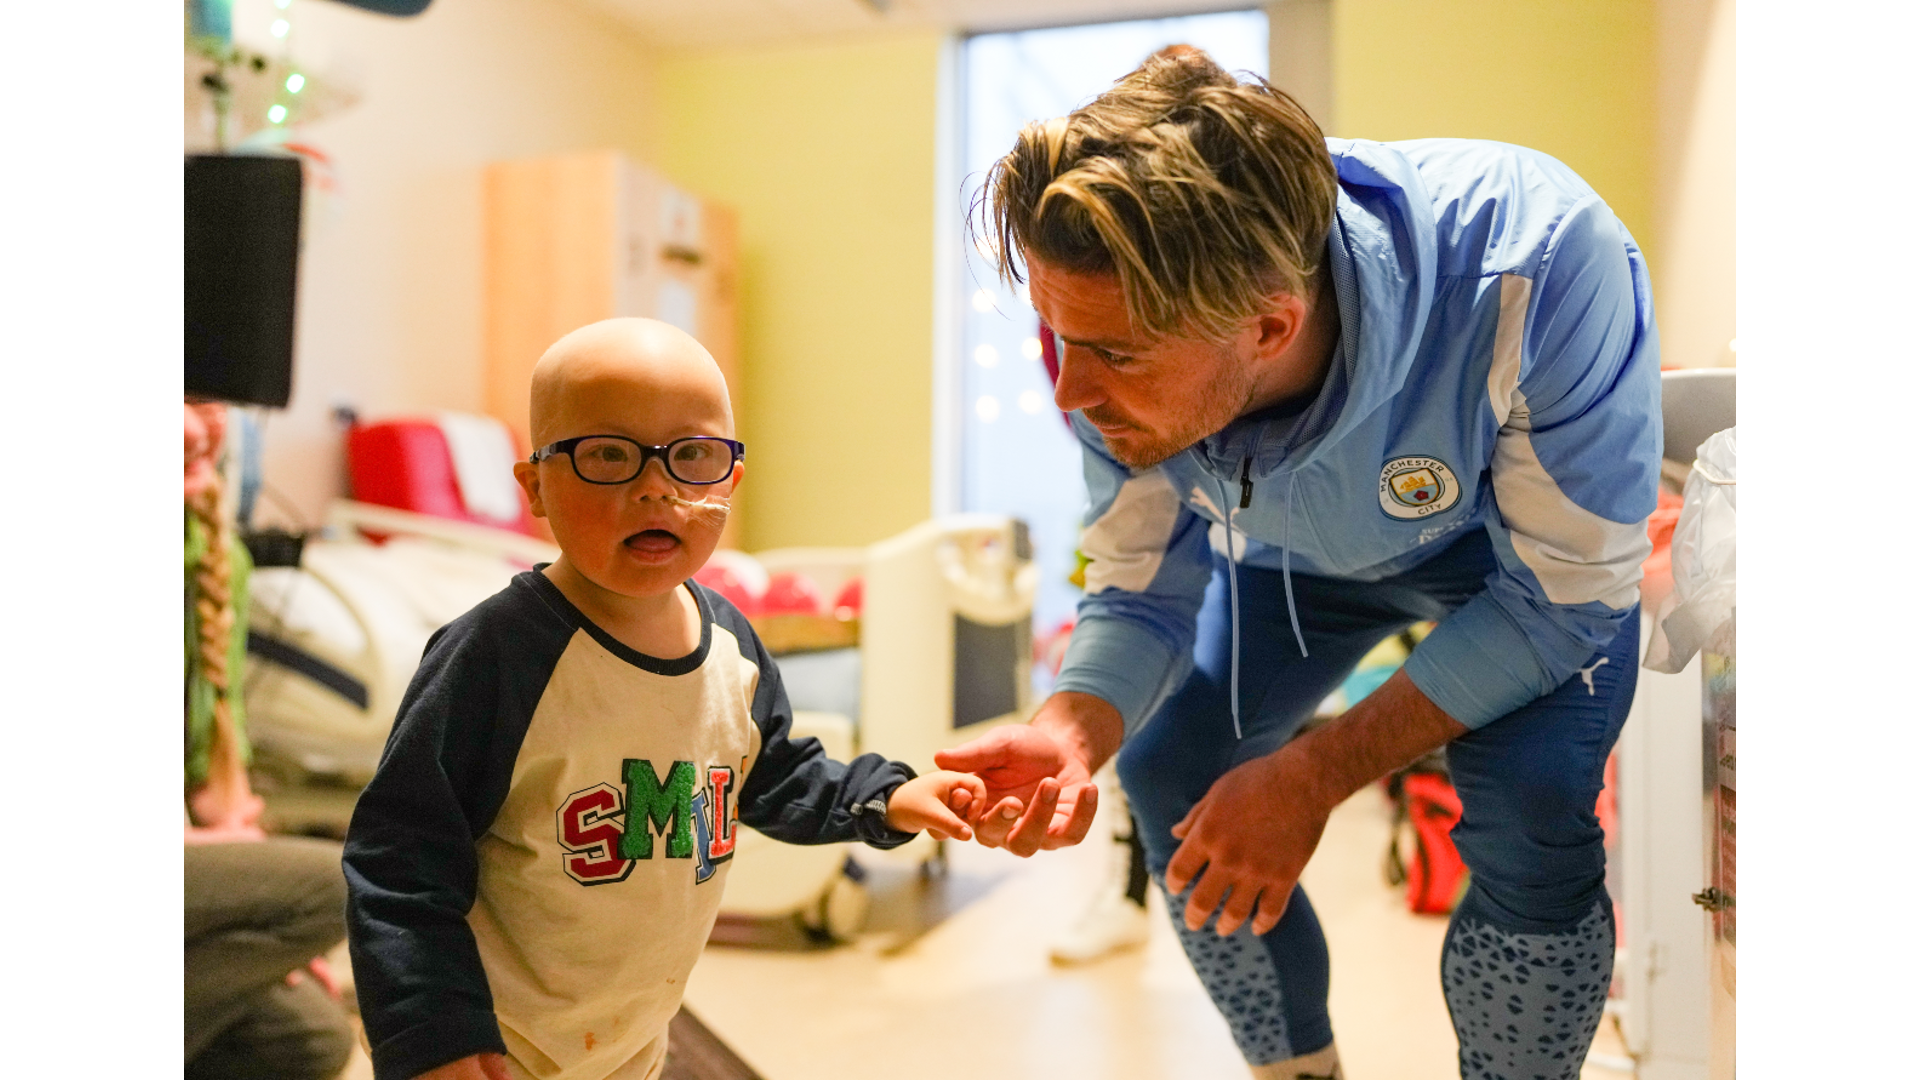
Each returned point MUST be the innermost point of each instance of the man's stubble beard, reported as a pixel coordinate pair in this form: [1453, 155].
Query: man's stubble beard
[1226, 397]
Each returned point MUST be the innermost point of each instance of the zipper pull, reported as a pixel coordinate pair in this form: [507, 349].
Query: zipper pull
[1246, 482]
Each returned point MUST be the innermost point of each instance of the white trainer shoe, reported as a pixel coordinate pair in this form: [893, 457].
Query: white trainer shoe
[1112, 923]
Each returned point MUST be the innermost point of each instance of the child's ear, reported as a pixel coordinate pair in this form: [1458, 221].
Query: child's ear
[528, 474]
[739, 471]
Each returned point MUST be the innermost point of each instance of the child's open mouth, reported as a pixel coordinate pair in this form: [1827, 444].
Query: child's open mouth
[654, 541]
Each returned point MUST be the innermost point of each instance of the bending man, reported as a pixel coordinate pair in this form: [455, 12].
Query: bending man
[1326, 389]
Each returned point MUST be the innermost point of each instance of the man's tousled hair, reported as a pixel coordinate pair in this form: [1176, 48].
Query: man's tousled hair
[1203, 194]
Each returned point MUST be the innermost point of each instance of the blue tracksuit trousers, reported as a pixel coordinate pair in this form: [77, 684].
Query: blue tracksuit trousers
[1529, 954]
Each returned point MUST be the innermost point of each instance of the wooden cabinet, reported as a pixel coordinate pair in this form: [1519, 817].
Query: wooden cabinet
[578, 238]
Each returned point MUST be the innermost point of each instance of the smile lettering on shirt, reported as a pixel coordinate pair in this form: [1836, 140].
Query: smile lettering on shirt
[605, 830]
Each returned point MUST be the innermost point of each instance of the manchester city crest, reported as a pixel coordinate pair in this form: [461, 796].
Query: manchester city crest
[1417, 487]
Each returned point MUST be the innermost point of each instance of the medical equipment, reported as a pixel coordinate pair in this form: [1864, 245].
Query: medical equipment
[1672, 998]
[944, 653]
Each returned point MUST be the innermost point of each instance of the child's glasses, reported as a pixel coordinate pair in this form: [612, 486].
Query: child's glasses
[612, 459]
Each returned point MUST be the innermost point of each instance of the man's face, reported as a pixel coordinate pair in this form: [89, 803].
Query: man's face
[1149, 397]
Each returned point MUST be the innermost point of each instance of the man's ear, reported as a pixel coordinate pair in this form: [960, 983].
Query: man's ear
[528, 475]
[1281, 326]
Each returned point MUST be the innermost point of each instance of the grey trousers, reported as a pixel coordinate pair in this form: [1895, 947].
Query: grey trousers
[254, 912]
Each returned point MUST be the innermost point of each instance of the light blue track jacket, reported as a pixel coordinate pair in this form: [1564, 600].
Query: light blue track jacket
[1498, 368]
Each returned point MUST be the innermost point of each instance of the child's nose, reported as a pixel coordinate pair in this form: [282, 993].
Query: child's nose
[654, 480]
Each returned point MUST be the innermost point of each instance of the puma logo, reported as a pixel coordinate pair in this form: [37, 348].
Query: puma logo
[1586, 674]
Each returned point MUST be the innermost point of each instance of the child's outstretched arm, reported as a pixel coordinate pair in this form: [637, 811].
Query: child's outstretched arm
[945, 804]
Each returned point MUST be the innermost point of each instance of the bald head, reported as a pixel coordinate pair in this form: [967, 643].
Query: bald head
[636, 377]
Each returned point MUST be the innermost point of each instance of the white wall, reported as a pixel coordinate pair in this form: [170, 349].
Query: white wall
[390, 278]
[1694, 196]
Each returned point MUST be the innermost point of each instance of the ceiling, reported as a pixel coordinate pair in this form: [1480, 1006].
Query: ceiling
[693, 24]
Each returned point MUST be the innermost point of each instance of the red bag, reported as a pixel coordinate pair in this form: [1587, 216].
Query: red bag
[1423, 797]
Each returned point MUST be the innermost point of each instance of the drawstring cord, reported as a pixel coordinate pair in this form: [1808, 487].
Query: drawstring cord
[1286, 565]
[1233, 606]
[1233, 578]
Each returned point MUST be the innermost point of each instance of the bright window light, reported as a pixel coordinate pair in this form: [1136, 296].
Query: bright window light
[1029, 467]
[280, 27]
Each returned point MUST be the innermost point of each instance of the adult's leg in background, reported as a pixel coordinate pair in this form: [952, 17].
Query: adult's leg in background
[1116, 917]
[289, 1033]
[255, 911]
[1529, 953]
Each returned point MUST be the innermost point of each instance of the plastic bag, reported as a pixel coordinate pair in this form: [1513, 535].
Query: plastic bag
[1703, 560]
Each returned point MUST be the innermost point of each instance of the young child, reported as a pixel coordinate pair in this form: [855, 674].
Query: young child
[538, 861]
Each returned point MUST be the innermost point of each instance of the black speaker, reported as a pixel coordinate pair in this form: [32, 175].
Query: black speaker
[242, 257]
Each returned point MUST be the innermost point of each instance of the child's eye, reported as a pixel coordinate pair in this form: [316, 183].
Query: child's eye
[610, 453]
[692, 452]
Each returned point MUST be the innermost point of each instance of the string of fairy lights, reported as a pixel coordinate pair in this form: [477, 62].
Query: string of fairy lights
[278, 112]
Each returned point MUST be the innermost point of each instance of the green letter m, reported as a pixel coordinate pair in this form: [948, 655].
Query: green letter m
[651, 805]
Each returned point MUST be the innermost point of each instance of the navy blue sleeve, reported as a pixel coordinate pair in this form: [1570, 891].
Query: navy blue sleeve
[410, 860]
[795, 792]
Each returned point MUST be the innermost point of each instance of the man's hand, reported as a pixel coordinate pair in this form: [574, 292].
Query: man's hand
[1248, 839]
[1048, 766]
[1250, 836]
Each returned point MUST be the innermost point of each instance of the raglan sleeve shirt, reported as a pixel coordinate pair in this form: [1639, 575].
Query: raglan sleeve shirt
[796, 793]
[412, 859]
[411, 863]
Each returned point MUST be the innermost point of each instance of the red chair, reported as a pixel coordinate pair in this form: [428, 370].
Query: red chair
[408, 465]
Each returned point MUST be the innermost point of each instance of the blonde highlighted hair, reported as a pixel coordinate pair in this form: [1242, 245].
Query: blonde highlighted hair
[1203, 194]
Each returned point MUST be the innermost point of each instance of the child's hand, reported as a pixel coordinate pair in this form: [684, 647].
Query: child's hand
[944, 804]
[474, 1067]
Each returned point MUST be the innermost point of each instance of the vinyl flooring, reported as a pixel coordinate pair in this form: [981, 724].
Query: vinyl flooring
[951, 979]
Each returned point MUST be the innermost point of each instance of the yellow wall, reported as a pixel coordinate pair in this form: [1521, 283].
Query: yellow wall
[1571, 78]
[1693, 285]
[389, 309]
[827, 151]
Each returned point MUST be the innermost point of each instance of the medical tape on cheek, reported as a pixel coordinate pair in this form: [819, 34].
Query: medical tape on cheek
[711, 504]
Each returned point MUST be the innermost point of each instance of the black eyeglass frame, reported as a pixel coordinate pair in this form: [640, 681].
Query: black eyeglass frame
[647, 453]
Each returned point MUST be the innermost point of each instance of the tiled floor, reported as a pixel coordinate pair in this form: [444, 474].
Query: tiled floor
[952, 979]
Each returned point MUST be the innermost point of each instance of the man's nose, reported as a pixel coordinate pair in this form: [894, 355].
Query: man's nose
[1078, 385]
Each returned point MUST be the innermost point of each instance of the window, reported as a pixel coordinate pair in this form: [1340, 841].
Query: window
[1016, 455]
